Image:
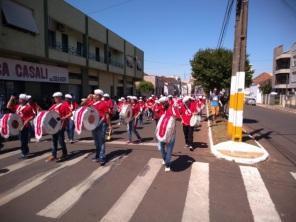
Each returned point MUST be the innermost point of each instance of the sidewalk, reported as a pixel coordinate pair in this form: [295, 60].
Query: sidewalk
[278, 107]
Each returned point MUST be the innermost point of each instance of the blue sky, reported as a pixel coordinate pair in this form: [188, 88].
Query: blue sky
[171, 31]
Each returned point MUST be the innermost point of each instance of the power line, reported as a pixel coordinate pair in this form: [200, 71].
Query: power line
[111, 6]
[225, 22]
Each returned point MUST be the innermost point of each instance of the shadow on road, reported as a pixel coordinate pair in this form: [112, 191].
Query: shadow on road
[116, 153]
[182, 163]
[250, 121]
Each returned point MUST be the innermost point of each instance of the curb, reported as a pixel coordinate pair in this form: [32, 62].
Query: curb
[234, 159]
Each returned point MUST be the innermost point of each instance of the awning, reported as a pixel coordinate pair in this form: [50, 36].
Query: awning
[19, 16]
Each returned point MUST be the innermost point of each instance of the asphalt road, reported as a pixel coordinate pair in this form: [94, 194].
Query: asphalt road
[276, 128]
[133, 186]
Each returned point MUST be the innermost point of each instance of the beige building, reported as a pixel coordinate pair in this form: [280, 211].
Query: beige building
[284, 70]
[48, 45]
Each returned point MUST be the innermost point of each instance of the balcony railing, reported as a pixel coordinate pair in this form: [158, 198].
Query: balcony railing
[70, 49]
[93, 56]
[116, 63]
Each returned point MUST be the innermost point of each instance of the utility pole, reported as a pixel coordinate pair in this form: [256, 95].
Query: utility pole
[236, 104]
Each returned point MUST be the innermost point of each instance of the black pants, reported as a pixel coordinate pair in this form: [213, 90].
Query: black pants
[24, 138]
[188, 135]
[59, 137]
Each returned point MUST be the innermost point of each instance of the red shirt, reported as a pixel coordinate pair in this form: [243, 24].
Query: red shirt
[158, 110]
[135, 109]
[63, 109]
[150, 103]
[89, 102]
[35, 107]
[119, 106]
[26, 112]
[186, 113]
[72, 105]
[102, 108]
[142, 105]
[109, 103]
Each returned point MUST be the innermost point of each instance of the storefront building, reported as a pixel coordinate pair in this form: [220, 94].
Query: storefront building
[48, 45]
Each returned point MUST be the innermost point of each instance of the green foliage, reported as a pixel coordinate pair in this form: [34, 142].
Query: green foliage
[146, 87]
[266, 89]
[212, 68]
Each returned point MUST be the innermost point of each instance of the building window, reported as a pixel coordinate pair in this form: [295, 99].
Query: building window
[51, 39]
[79, 49]
[98, 55]
[139, 65]
[19, 17]
[129, 62]
[65, 47]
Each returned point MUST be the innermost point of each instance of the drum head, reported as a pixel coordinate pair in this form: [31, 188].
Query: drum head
[90, 119]
[51, 122]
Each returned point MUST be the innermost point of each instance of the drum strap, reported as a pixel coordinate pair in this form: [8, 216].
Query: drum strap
[20, 109]
[55, 107]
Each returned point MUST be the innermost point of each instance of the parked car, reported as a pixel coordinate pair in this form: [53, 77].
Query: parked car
[251, 101]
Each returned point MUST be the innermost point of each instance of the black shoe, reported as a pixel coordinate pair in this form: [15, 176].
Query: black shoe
[191, 148]
[102, 162]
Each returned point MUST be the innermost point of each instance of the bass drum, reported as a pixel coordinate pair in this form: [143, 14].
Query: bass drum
[47, 122]
[195, 120]
[86, 118]
[165, 129]
[126, 113]
[10, 125]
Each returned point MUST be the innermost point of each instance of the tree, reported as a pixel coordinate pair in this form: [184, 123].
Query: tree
[212, 68]
[266, 88]
[146, 87]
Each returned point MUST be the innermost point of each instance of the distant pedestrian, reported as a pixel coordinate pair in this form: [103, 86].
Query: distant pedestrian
[215, 105]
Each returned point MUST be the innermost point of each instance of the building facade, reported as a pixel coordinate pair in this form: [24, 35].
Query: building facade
[284, 70]
[48, 45]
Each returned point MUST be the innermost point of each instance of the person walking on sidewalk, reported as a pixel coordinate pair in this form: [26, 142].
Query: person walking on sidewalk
[215, 105]
[63, 109]
[187, 110]
[166, 148]
[100, 131]
[25, 111]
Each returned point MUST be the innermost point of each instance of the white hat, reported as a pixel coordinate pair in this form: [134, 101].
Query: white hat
[98, 92]
[106, 95]
[28, 97]
[170, 96]
[163, 99]
[186, 98]
[200, 97]
[134, 98]
[122, 98]
[23, 96]
[68, 96]
[157, 101]
[119, 100]
[57, 94]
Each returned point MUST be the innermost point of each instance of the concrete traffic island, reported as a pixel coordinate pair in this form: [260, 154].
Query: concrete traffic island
[240, 152]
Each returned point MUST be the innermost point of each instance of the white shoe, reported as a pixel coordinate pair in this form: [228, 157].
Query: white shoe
[162, 162]
[167, 169]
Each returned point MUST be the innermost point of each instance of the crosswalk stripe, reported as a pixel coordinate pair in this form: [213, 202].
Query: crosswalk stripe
[293, 175]
[9, 154]
[126, 205]
[260, 202]
[22, 163]
[34, 181]
[64, 203]
[197, 199]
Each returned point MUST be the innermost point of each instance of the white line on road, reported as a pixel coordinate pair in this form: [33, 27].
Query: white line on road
[34, 181]
[121, 143]
[293, 175]
[260, 202]
[22, 163]
[9, 154]
[197, 199]
[126, 205]
[64, 203]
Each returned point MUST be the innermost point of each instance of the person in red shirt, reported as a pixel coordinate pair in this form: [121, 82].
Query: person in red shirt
[187, 110]
[100, 131]
[36, 108]
[70, 126]
[158, 110]
[149, 106]
[88, 101]
[25, 111]
[132, 125]
[63, 109]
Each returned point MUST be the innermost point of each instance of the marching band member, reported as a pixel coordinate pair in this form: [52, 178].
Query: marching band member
[149, 105]
[131, 126]
[70, 126]
[186, 111]
[25, 111]
[63, 109]
[158, 110]
[142, 109]
[166, 149]
[110, 105]
[100, 131]
[36, 108]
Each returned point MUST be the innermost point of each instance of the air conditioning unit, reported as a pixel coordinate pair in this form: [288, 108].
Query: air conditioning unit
[61, 27]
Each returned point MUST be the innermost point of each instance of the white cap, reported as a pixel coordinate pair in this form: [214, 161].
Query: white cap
[134, 98]
[23, 96]
[163, 99]
[106, 95]
[98, 92]
[68, 96]
[170, 96]
[200, 97]
[57, 94]
[157, 101]
[186, 98]
[28, 97]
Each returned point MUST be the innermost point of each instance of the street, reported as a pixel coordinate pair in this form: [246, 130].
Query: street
[274, 128]
[133, 186]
